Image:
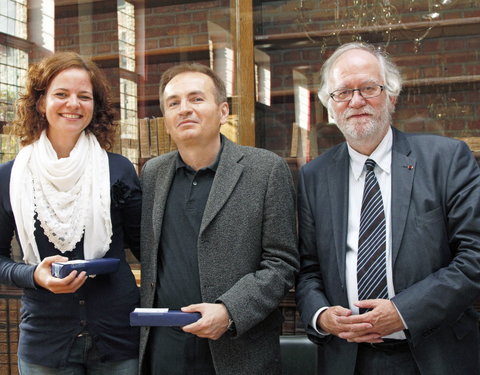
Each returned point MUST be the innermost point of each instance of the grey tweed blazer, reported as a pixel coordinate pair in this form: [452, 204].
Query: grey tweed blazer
[247, 251]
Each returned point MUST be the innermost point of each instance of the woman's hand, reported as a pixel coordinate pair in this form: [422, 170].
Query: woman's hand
[43, 277]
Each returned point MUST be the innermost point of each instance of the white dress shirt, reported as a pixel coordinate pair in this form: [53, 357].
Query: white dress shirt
[357, 171]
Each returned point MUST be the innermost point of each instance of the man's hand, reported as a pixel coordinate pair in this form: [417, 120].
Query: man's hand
[213, 323]
[383, 320]
[331, 322]
[43, 277]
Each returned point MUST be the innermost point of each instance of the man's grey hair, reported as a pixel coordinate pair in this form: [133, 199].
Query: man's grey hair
[388, 70]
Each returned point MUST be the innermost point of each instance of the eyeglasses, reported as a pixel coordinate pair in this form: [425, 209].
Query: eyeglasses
[345, 95]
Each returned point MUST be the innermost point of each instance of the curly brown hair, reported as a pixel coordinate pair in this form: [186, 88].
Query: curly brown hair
[30, 122]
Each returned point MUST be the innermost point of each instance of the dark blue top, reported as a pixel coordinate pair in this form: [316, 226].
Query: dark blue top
[50, 322]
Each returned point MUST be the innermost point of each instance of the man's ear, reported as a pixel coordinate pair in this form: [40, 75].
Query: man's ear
[224, 112]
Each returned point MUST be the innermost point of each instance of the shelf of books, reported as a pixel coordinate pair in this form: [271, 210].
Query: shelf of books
[154, 140]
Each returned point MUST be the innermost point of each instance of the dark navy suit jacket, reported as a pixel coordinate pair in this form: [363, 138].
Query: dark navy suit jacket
[435, 250]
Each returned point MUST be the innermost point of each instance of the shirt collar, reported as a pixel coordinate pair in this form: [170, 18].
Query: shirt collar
[179, 163]
[382, 156]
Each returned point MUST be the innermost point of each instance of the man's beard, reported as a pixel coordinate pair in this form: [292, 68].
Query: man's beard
[365, 129]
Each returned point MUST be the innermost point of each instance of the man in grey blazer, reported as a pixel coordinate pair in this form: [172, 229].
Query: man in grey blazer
[218, 238]
[413, 261]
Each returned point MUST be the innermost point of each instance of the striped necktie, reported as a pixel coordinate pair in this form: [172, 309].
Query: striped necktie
[371, 260]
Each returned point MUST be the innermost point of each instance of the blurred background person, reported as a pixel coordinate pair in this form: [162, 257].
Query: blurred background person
[67, 198]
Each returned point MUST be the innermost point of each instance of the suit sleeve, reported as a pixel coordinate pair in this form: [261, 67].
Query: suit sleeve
[256, 295]
[309, 289]
[445, 295]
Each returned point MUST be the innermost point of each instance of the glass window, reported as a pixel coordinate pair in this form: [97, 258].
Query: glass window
[433, 43]
[269, 54]
[126, 34]
[129, 120]
[13, 70]
[13, 18]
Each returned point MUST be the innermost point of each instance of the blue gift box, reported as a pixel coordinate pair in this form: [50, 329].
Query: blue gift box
[162, 317]
[91, 267]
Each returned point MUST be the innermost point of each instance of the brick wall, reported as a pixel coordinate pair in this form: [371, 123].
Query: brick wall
[180, 32]
[441, 92]
[92, 31]
[9, 330]
[441, 95]
[174, 34]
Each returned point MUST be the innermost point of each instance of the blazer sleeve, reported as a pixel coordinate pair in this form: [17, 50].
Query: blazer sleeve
[443, 296]
[309, 291]
[256, 295]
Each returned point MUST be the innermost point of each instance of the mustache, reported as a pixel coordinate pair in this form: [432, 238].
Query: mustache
[368, 110]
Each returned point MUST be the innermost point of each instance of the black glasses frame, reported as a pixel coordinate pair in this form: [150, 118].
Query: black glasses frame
[351, 91]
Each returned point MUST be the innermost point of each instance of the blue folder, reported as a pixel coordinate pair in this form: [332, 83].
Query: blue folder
[162, 317]
[91, 267]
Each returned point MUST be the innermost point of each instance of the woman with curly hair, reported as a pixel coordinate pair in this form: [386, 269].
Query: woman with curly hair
[67, 198]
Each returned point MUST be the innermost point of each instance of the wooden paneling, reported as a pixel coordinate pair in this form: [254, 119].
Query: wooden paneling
[243, 101]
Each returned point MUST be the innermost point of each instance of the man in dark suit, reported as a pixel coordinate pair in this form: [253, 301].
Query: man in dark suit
[389, 227]
[218, 238]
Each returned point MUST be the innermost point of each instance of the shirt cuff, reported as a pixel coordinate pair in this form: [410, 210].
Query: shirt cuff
[313, 323]
[400, 315]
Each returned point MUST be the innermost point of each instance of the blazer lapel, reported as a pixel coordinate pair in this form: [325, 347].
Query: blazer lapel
[226, 177]
[163, 182]
[403, 171]
[338, 189]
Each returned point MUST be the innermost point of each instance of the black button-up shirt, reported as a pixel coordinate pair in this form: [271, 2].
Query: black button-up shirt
[178, 283]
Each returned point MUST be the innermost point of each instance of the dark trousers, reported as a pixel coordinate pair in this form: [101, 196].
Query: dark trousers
[387, 359]
[171, 351]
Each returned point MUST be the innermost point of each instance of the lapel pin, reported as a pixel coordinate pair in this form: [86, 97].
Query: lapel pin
[409, 167]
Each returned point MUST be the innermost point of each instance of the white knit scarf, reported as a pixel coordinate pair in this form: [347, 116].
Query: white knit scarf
[71, 197]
